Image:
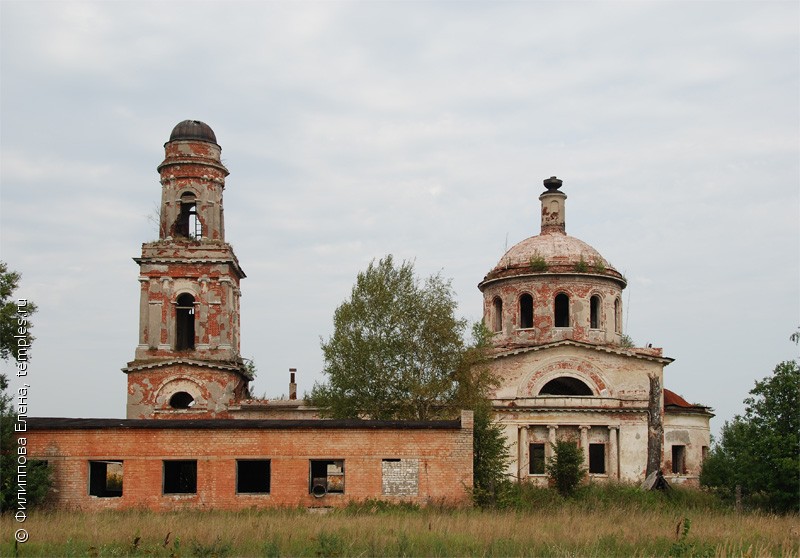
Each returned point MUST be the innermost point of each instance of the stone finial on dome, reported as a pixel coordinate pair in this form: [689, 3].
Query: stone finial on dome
[553, 183]
[553, 221]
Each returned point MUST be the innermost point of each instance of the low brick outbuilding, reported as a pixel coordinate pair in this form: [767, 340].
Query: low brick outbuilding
[234, 464]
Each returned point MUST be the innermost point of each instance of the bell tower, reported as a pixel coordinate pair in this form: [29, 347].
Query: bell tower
[187, 363]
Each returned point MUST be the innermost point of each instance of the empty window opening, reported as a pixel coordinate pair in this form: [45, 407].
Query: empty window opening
[597, 459]
[617, 316]
[594, 312]
[497, 319]
[188, 224]
[525, 311]
[180, 477]
[565, 385]
[704, 452]
[105, 479]
[536, 459]
[400, 477]
[184, 323]
[326, 477]
[678, 459]
[181, 400]
[562, 310]
[252, 476]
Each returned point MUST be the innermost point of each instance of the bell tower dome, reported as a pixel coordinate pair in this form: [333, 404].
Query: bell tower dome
[552, 286]
[187, 363]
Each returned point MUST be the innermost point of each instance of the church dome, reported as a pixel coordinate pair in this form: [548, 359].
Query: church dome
[553, 251]
[193, 130]
[552, 287]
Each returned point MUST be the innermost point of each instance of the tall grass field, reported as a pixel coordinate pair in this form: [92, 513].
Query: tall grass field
[597, 522]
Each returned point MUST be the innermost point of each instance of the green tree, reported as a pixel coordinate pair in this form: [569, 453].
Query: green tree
[489, 459]
[565, 468]
[760, 451]
[490, 453]
[398, 352]
[9, 328]
[395, 348]
[38, 477]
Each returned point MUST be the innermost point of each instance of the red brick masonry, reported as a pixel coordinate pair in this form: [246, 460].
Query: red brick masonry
[436, 459]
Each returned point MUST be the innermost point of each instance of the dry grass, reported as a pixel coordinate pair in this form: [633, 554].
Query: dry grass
[564, 531]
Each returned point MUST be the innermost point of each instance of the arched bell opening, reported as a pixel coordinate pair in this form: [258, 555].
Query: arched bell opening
[184, 322]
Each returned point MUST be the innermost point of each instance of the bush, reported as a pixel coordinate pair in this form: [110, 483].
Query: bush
[565, 469]
[538, 263]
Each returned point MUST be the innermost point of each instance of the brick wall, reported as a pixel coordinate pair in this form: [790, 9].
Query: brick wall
[442, 453]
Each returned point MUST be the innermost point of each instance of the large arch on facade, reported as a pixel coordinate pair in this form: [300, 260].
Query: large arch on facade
[568, 368]
[566, 386]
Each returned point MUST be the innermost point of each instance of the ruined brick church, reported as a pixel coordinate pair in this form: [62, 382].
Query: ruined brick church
[567, 371]
[553, 302]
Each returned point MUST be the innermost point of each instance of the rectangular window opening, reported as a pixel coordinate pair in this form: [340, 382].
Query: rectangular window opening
[536, 459]
[326, 476]
[180, 477]
[105, 479]
[252, 476]
[678, 460]
[597, 459]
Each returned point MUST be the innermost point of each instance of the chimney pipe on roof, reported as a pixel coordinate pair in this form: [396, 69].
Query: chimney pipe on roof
[292, 384]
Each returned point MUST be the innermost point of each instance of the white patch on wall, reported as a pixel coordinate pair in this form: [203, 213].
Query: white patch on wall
[400, 477]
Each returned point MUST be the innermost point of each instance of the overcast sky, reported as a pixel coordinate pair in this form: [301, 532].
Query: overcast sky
[353, 130]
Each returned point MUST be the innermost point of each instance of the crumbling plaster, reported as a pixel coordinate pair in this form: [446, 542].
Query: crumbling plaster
[544, 288]
[690, 429]
[213, 391]
[610, 375]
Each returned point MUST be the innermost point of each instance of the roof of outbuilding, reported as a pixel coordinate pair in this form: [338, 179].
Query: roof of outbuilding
[60, 423]
[672, 399]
